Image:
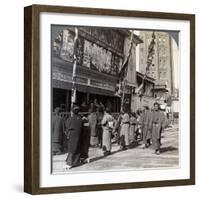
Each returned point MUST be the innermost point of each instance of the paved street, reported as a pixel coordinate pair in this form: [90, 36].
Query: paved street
[134, 158]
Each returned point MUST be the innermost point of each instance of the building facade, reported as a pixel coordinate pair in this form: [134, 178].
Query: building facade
[100, 53]
[146, 96]
[161, 68]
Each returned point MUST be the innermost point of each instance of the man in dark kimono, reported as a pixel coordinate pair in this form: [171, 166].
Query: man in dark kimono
[56, 134]
[85, 139]
[146, 127]
[157, 125]
[73, 131]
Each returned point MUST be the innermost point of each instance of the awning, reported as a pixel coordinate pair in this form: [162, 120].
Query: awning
[81, 88]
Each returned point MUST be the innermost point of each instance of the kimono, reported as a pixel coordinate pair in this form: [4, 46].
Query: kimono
[146, 126]
[138, 131]
[64, 136]
[124, 132]
[107, 132]
[116, 129]
[99, 129]
[132, 129]
[56, 134]
[73, 131]
[85, 138]
[93, 122]
[157, 122]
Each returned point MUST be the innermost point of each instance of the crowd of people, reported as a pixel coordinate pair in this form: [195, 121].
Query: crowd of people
[98, 128]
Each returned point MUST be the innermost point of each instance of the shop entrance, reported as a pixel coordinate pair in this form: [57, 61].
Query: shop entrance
[61, 99]
[108, 101]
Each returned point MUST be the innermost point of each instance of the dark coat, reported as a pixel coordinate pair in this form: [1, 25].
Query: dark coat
[146, 125]
[85, 138]
[157, 123]
[73, 131]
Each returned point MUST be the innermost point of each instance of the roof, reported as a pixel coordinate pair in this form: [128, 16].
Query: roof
[160, 88]
[137, 39]
[148, 78]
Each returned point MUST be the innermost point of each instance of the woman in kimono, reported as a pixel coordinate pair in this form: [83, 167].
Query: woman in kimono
[107, 125]
[157, 123]
[138, 132]
[93, 122]
[124, 132]
[56, 133]
[132, 127]
[73, 131]
[99, 130]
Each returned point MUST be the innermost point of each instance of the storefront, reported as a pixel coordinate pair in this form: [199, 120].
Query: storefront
[100, 53]
[90, 85]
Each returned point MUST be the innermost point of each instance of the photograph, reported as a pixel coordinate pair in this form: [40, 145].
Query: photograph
[114, 99]
[109, 99]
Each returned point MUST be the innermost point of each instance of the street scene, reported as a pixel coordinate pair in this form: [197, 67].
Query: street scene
[115, 99]
[133, 158]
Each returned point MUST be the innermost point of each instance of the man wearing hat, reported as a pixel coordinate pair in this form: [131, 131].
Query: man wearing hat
[73, 131]
[157, 122]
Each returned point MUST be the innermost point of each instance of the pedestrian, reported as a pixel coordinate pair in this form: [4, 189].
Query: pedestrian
[73, 131]
[116, 128]
[99, 130]
[107, 125]
[132, 127]
[64, 136]
[93, 122]
[56, 134]
[146, 127]
[138, 132]
[124, 132]
[84, 107]
[157, 125]
[85, 139]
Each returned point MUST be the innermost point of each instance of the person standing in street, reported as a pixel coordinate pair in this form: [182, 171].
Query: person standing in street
[56, 134]
[132, 127]
[146, 127]
[157, 122]
[124, 132]
[93, 122]
[138, 132]
[107, 125]
[64, 136]
[73, 131]
[85, 139]
[99, 130]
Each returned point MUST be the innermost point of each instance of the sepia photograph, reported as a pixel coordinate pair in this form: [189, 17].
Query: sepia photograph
[109, 99]
[114, 99]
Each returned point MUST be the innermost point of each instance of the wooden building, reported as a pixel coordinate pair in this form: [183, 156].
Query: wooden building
[100, 53]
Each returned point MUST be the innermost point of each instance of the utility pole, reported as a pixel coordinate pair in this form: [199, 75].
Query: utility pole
[73, 95]
[125, 71]
[150, 57]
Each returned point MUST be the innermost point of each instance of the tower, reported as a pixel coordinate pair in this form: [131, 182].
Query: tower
[161, 68]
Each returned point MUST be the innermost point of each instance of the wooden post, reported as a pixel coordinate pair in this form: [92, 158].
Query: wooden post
[73, 95]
